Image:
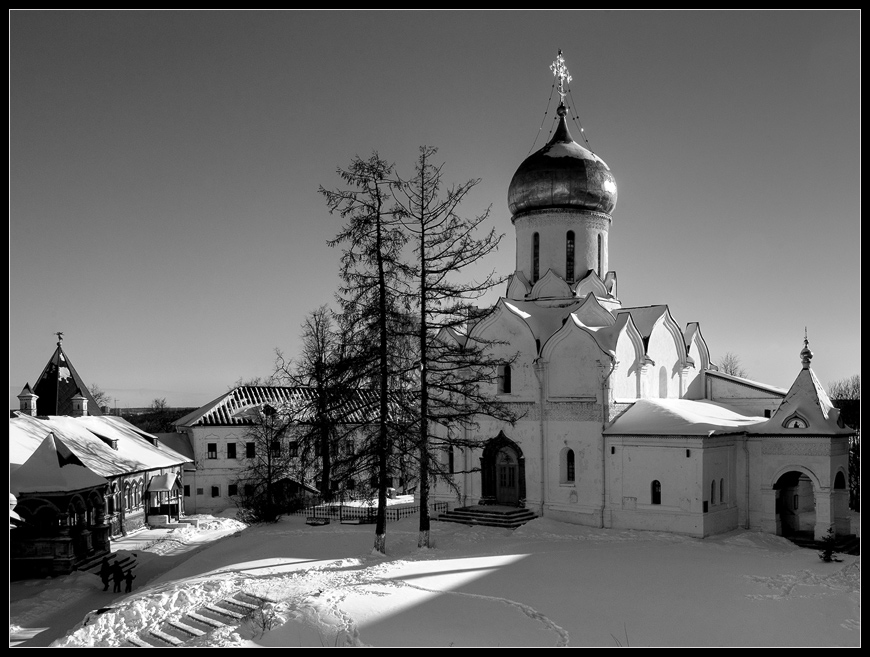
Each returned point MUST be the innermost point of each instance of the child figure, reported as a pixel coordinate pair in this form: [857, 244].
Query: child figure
[130, 577]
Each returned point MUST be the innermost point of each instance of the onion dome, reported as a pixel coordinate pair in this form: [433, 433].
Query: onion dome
[562, 174]
[806, 354]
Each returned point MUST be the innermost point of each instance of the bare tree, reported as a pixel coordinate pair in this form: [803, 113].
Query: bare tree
[448, 398]
[730, 364]
[100, 396]
[269, 466]
[324, 424]
[370, 296]
[845, 394]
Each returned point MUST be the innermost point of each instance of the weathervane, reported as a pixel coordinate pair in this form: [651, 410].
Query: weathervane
[561, 71]
[59, 335]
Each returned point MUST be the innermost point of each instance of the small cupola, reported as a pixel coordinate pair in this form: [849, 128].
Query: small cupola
[79, 404]
[27, 400]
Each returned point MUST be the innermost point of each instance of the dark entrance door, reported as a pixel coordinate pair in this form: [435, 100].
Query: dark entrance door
[507, 489]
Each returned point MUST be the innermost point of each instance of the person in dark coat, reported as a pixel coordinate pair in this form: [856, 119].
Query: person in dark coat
[118, 576]
[105, 573]
[129, 579]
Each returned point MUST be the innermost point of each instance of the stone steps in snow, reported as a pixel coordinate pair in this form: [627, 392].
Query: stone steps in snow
[211, 623]
[165, 638]
[184, 628]
[246, 607]
[223, 611]
[138, 642]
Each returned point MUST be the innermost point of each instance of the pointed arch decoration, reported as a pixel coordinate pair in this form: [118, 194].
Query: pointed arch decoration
[551, 286]
[591, 283]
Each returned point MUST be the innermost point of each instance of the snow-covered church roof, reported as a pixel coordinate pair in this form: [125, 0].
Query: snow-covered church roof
[680, 417]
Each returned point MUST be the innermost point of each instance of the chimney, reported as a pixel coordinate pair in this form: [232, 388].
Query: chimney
[80, 404]
[27, 401]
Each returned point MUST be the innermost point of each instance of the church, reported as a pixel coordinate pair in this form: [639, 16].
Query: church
[624, 420]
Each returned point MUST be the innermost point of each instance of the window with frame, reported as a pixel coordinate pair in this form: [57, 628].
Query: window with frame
[656, 492]
[569, 257]
[713, 492]
[200, 491]
[504, 379]
[275, 448]
[536, 257]
[250, 450]
[215, 491]
[249, 490]
[231, 450]
[293, 448]
[569, 466]
[722, 491]
[187, 490]
[211, 450]
[600, 256]
[232, 490]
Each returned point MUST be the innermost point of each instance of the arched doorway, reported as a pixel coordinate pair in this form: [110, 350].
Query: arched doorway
[503, 472]
[795, 504]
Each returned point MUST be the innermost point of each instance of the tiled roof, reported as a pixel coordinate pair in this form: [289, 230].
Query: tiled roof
[238, 406]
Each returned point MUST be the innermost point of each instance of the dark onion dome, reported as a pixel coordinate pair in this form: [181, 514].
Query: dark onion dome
[562, 174]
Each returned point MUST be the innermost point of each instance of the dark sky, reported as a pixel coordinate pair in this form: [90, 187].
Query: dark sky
[164, 168]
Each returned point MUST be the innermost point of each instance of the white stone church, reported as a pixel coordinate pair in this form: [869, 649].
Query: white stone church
[626, 423]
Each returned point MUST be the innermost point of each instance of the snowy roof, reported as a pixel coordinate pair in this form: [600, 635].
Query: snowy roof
[680, 417]
[238, 406]
[807, 402]
[53, 468]
[161, 483]
[90, 439]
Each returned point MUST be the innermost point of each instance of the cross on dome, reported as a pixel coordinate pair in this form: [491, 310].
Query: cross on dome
[561, 71]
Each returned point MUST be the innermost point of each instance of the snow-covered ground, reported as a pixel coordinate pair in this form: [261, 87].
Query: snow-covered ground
[544, 584]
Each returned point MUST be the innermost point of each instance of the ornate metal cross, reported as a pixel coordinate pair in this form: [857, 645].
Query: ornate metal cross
[561, 71]
[59, 335]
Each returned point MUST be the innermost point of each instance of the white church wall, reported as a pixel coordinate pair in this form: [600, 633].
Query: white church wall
[719, 473]
[625, 378]
[664, 377]
[579, 430]
[693, 384]
[749, 399]
[634, 464]
[572, 368]
[511, 340]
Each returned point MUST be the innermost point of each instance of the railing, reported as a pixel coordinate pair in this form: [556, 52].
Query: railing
[366, 513]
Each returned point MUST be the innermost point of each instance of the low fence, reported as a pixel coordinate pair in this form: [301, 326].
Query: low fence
[366, 514]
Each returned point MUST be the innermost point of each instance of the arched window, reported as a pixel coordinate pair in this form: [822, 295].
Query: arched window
[569, 463]
[713, 492]
[656, 492]
[504, 379]
[600, 256]
[569, 257]
[536, 257]
[722, 491]
[663, 382]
